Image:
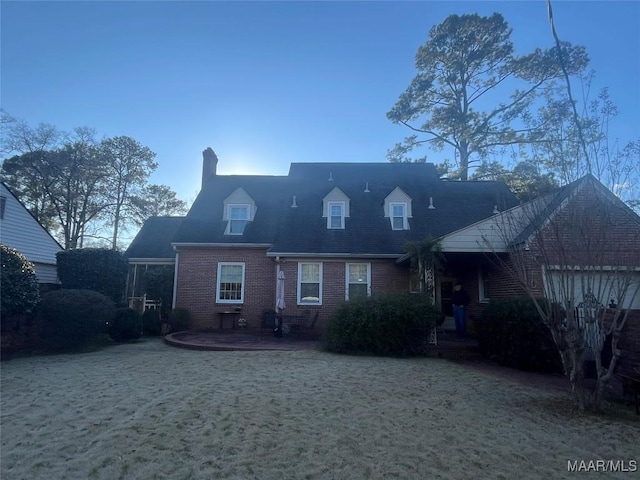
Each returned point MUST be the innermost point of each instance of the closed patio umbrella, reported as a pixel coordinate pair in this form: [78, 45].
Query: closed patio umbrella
[280, 292]
[279, 303]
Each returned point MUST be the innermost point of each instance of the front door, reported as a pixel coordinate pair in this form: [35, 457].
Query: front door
[446, 292]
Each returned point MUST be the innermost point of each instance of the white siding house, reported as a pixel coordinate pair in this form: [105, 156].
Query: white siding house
[20, 230]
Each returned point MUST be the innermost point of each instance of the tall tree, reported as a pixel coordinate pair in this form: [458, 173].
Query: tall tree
[23, 171]
[62, 187]
[458, 97]
[157, 200]
[130, 165]
[526, 179]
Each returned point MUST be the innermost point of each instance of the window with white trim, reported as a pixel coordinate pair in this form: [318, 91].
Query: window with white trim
[238, 217]
[335, 219]
[230, 288]
[310, 283]
[358, 280]
[398, 215]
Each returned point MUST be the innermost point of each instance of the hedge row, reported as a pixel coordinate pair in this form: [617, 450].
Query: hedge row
[386, 324]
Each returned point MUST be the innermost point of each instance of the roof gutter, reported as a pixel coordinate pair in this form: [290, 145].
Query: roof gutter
[332, 255]
[220, 245]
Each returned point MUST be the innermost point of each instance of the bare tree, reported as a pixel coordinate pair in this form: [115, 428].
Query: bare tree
[576, 254]
[130, 165]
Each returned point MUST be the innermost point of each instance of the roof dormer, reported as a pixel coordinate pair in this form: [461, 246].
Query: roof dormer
[335, 208]
[397, 207]
[239, 208]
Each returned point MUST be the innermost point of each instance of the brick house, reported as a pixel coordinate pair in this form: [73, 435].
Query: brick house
[334, 229]
[340, 229]
[579, 244]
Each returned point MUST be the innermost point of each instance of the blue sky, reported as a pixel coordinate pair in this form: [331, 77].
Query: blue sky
[266, 83]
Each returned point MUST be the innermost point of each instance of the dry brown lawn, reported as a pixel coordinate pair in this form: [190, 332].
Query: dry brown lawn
[147, 411]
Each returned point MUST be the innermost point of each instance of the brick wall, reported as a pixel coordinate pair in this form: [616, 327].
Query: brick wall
[197, 277]
[197, 280]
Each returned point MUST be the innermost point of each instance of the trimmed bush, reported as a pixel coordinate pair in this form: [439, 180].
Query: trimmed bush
[512, 333]
[387, 324]
[98, 269]
[179, 319]
[126, 325]
[151, 322]
[19, 290]
[74, 319]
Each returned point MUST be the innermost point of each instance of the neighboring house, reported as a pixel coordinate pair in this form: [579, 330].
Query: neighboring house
[20, 230]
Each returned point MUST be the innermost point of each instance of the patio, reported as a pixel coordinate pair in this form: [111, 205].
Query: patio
[233, 341]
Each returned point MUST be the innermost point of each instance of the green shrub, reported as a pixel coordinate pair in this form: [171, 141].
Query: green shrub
[151, 322]
[387, 324]
[512, 333]
[19, 289]
[98, 269]
[179, 319]
[126, 325]
[74, 319]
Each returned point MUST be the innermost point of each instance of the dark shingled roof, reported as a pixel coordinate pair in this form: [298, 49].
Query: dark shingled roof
[542, 209]
[304, 230]
[154, 238]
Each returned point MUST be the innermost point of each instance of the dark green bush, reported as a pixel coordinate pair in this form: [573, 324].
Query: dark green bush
[179, 319]
[19, 289]
[74, 319]
[98, 269]
[126, 325]
[387, 324]
[512, 333]
[151, 322]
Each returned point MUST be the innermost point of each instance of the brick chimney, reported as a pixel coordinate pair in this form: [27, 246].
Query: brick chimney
[209, 164]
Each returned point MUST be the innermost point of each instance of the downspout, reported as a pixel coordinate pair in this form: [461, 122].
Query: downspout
[175, 281]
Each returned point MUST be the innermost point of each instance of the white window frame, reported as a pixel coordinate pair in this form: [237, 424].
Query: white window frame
[347, 283]
[405, 222]
[301, 301]
[219, 277]
[342, 206]
[246, 207]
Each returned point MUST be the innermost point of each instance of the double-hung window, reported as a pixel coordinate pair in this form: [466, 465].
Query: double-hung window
[310, 283]
[358, 280]
[335, 219]
[398, 216]
[238, 217]
[230, 288]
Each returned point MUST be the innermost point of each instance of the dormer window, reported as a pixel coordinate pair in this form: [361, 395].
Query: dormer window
[238, 217]
[397, 207]
[335, 220]
[335, 208]
[399, 216]
[239, 208]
